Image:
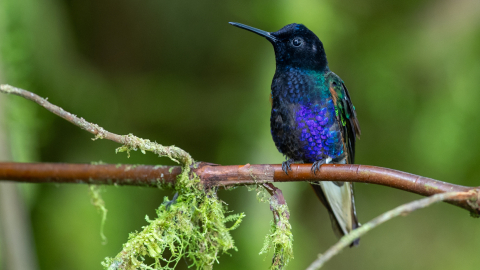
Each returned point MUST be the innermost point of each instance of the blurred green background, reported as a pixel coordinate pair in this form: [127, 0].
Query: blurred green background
[177, 73]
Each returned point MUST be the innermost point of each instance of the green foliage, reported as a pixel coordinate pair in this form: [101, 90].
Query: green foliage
[192, 227]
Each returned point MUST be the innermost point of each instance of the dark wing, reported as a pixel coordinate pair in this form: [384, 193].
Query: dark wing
[347, 118]
[346, 114]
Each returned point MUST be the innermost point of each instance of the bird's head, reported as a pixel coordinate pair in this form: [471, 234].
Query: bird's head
[295, 46]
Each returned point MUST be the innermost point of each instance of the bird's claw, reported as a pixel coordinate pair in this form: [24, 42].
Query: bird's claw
[316, 165]
[286, 165]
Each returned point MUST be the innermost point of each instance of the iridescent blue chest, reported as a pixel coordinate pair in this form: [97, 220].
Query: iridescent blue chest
[304, 123]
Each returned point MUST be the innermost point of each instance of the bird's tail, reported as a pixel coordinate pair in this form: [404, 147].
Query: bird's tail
[339, 200]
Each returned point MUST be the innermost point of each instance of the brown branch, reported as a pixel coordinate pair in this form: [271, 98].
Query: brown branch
[403, 210]
[143, 175]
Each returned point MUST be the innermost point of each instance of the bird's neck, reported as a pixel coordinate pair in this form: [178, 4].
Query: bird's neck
[316, 63]
[282, 68]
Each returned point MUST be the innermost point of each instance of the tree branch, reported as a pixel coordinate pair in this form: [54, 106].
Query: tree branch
[403, 210]
[224, 176]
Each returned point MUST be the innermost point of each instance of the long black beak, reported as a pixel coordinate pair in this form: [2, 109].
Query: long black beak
[262, 33]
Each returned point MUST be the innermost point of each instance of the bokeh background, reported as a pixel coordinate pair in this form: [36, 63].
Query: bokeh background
[176, 72]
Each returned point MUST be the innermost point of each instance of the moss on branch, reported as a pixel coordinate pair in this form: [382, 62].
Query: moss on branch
[193, 225]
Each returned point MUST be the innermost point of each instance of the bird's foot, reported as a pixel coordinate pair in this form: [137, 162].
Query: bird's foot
[286, 165]
[316, 165]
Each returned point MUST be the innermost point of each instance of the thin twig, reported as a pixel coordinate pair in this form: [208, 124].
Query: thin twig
[129, 141]
[405, 209]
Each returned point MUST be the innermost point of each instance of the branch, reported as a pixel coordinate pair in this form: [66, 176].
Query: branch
[401, 210]
[129, 141]
[224, 176]
[281, 238]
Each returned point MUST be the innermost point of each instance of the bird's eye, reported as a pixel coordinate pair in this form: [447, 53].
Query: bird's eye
[297, 42]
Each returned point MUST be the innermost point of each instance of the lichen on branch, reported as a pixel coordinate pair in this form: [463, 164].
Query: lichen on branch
[280, 238]
[131, 142]
[193, 226]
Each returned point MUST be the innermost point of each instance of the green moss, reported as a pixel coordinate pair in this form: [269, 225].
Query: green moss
[280, 238]
[193, 227]
[98, 202]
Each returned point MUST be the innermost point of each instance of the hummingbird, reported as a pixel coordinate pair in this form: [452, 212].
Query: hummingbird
[312, 119]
